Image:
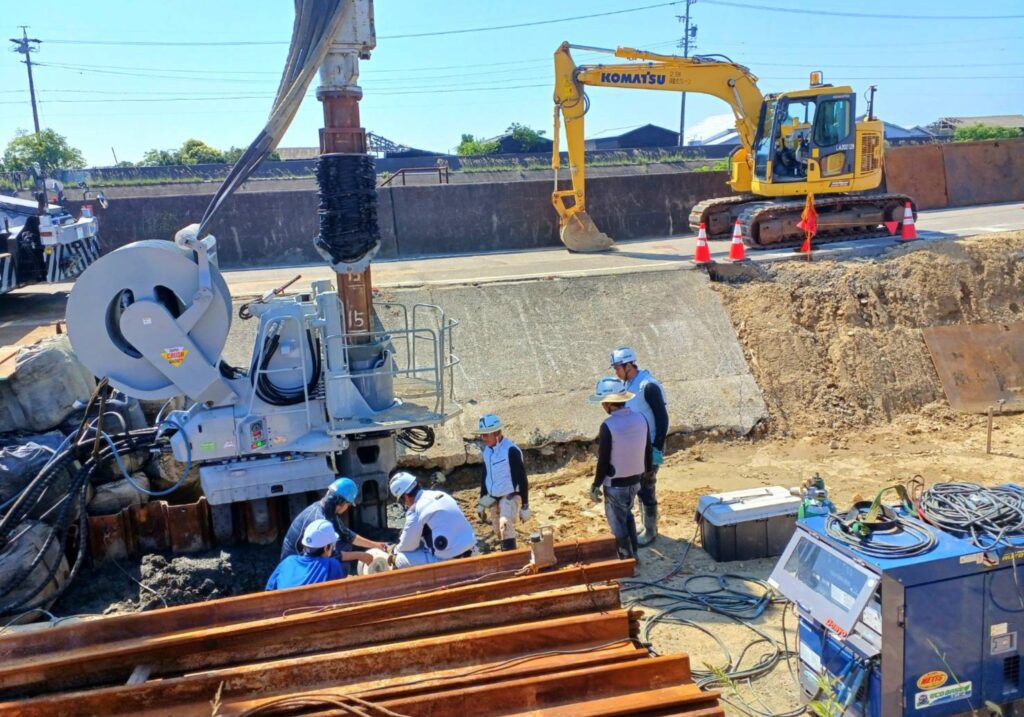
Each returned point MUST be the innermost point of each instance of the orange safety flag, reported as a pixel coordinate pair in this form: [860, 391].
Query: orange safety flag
[809, 218]
[809, 223]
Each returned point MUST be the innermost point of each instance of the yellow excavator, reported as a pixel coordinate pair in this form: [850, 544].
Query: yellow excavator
[791, 144]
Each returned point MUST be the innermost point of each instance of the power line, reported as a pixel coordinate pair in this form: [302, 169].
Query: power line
[839, 13]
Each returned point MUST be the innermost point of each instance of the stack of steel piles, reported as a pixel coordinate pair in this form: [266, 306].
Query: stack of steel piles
[479, 636]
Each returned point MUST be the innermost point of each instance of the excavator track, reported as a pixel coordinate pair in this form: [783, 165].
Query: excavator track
[718, 215]
[771, 224]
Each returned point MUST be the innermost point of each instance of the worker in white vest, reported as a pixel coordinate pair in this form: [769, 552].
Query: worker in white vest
[435, 528]
[649, 401]
[504, 489]
[623, 456]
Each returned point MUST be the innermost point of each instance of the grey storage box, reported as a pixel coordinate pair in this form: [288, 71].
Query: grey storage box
[747, 524]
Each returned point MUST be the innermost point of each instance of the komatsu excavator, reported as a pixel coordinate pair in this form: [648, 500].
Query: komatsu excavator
[791, 144]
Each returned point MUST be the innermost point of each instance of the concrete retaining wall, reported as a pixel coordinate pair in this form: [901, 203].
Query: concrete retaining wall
[531, 351]
[958, 174]
[276, 228]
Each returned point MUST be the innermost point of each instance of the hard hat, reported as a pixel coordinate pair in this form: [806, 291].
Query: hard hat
[610, 390]
[319, 534]
[402, 483]
[489, 423]
[623, 354]
[344, 488]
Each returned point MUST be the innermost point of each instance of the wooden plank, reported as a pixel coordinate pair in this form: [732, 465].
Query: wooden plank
[295, 635]
[274, 604]
[334, 670]
[979, 364]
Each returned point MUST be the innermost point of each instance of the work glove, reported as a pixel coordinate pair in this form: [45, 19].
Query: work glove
[657, 457]
[525, 514]
[595, 493]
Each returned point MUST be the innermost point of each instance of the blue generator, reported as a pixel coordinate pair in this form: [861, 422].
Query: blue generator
[913, 620]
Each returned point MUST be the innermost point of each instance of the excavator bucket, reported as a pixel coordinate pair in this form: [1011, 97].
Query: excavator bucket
[580, 234]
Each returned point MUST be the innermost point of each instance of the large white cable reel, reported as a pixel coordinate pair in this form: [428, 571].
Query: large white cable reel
[153, 317]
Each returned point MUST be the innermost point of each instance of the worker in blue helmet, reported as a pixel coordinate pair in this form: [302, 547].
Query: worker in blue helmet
[340, 495]
[314, 564]
[649, 401]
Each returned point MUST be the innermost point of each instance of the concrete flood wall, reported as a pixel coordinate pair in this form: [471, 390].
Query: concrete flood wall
[532, 351]
[276, 228]
[958, 174]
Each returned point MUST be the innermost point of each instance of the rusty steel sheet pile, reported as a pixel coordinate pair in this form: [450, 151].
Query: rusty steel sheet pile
[480, 636]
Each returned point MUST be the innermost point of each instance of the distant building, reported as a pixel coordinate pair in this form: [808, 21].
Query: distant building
[298, 152]
[944, 127]
[894, 135]
[644, 137]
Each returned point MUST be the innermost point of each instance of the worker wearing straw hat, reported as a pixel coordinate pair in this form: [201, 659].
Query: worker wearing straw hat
[504, 489]
[623, 456]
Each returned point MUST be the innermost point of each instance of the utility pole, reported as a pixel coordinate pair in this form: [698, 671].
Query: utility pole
[689, 42]
[24, 45]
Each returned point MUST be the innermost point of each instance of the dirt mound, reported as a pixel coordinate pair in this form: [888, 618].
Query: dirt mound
[835, 345]
[127, 586]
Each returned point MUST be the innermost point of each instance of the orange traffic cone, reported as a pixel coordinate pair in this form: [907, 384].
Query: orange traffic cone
[908, 232]
[703, 253]
[737, 252]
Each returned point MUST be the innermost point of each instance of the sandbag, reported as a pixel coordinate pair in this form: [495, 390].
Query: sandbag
[19, 554]
[111, 498]
[21, 462]
[48, 379]
[12, 417]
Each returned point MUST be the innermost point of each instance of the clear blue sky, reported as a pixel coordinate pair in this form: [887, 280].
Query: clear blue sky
[425, 92]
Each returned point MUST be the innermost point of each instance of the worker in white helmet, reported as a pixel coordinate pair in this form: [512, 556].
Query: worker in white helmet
[504, 489]
[435, 528]
[649, 401]
[314, 564]
[623, 456]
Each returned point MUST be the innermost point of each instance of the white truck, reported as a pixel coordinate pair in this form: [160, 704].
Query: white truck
[40, 241]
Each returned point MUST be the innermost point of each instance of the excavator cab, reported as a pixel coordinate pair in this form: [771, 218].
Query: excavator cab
[808, 136]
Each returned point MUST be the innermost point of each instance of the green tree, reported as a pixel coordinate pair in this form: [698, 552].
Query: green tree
[160, 158]
[232, 155]
[470, 145]
[194, 151]
[526, 139]
[972, 132]
[49, 149]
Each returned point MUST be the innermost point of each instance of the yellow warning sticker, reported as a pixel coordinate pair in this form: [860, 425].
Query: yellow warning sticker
[175, 355]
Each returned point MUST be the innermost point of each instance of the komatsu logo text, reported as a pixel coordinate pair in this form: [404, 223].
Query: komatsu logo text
[631, 78]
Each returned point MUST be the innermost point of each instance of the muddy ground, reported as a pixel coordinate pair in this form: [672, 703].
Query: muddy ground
[853, 396]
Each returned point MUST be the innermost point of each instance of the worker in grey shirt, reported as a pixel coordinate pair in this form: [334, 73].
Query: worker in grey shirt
[649, 401]
[623, 456]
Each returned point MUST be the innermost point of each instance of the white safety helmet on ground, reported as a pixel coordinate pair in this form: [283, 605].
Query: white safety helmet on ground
[319, 534]
[623, 354]
[401, 483]
[489, 423]
[610, 390]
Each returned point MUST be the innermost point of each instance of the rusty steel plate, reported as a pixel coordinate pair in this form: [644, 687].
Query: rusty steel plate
[979, 364]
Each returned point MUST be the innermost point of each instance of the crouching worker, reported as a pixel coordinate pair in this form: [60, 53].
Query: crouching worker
[341, 494]
[314, 564]
[435, 528]
[504, 490]
[623, 456]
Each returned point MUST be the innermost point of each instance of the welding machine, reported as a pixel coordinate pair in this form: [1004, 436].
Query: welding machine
[909, 620]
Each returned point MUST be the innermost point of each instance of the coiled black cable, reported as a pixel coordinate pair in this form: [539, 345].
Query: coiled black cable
[416, 438]
[874, 545]
[987, 515]
[267, 391]
[348, 229]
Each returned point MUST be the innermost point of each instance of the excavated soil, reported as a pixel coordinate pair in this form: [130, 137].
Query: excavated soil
[836, 345]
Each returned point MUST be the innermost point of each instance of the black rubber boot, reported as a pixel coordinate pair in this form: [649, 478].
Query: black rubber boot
[650, 513]
[625, 548]
[508, 544]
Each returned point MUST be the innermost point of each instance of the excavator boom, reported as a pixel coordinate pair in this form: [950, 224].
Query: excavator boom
[791, 144]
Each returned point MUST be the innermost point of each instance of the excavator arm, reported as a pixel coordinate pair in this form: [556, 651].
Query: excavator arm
[729, 81]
